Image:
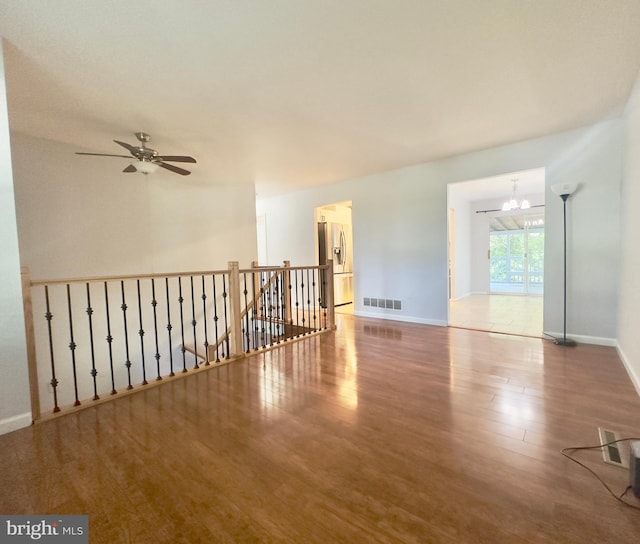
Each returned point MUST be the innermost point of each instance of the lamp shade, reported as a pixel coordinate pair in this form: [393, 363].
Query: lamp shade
[561, 189]
[146, 167]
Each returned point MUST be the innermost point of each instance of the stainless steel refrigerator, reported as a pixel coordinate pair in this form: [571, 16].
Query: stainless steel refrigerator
[334, 242]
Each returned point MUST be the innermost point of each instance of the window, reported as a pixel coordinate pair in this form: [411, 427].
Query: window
[516, 263]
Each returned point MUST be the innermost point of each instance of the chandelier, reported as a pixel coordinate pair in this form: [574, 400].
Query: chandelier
[513, 203]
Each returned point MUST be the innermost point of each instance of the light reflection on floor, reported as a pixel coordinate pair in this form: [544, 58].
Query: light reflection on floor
[287, 371]
[512, 314]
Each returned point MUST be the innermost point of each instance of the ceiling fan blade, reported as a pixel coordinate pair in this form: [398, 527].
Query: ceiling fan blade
[103, 155]
[129, 169]
[172, 168]
[176, 158]
[127, 146]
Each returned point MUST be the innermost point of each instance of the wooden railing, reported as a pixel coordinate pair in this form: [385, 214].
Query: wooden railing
[91, 339]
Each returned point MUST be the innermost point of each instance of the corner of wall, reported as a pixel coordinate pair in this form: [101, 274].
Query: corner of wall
[634, 375]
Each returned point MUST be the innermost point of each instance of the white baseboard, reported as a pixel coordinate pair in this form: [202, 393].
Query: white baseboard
[14, 423]
[403, 318]
[634, 375]
[582, 339]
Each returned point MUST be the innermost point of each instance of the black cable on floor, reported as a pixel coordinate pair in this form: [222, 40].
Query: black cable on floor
[600, 446]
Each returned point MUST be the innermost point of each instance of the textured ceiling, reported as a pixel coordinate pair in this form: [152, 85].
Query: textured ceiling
[292, 93]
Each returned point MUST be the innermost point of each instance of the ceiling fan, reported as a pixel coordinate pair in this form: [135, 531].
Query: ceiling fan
[147, 159]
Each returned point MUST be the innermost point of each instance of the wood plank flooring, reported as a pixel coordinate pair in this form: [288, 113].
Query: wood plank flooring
[381, 432]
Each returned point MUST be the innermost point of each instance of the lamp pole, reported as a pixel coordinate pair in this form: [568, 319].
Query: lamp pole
[564, 191]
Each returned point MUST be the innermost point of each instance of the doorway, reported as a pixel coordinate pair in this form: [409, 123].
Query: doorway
[334, 241]
[496, 253]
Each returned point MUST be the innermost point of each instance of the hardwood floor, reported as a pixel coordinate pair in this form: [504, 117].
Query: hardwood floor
[381, 432]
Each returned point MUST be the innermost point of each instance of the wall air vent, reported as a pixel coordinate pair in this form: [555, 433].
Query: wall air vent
[386, 303]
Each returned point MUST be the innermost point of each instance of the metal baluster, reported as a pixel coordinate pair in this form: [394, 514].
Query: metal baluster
[126, 336]
[54, 381]
[266, 311]
[226, 321]
[323, 279]
[297, 306]
[263, 310]
[193, 324]
[109, 339]
[141, 334]
[276, 284]
[72, 347]
[254, 312]
[290, 305]
[315, 318]
[154, 303]
[94, 372]
[308, 304]
[283, 305]
[247, 333]
[169, 327]
[204, 319]
[215, 316]
[181, 300]
[268, 335]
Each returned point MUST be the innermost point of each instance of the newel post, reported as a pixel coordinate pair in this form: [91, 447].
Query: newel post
[32, 362]
[329, 298]
[286, 292]
[234, 305]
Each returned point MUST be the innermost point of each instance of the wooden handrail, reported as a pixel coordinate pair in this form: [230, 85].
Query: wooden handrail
[126, 277]
[85, 279]
[274, 294]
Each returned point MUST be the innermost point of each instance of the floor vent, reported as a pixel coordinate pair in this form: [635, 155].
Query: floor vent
[386, 303]
[615, 454]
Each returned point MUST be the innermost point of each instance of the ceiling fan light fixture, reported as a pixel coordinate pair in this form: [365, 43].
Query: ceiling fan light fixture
[147, 160]
[145, 167]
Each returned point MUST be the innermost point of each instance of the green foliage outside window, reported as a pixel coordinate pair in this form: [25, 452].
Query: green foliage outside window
[508, 258]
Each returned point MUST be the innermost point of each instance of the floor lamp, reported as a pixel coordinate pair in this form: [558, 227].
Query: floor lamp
[564, 191]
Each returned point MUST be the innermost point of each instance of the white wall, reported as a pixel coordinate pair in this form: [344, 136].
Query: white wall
[629, 316]
[400, 227]
[80, 216]
[15, 407]
[396, 228]
[594, 161]
[201, 226]
[73, 221]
